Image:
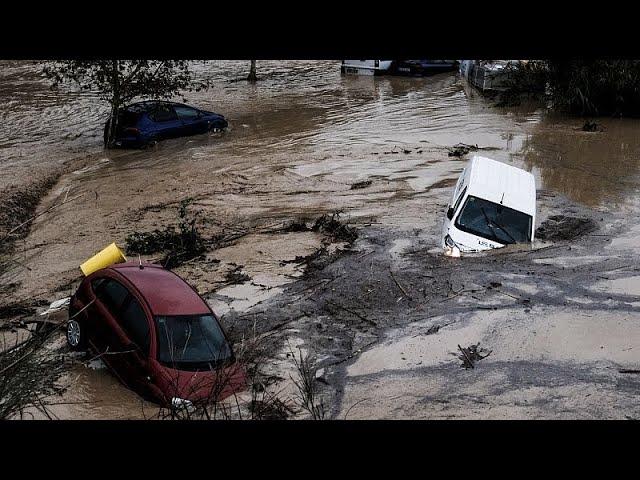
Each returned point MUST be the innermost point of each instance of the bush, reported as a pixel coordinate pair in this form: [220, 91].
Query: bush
[180, 245]
[595, 87]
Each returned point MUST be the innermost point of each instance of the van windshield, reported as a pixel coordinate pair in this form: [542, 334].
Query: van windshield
[494, 222]
[191, 342]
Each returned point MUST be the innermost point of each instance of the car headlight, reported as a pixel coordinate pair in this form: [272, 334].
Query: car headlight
[180, 403]
[451, 249]
[448, 241]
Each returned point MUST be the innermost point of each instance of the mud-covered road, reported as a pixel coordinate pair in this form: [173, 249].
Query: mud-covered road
[385, 314]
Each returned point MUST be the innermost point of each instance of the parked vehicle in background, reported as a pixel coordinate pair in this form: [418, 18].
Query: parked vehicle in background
[421, 68]
[155, 333]
[411, 68]
[144, 123]
[487, 75]
[365, 67]
[493, 205]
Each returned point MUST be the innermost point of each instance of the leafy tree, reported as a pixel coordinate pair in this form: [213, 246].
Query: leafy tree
[118, 82]
[582, 86]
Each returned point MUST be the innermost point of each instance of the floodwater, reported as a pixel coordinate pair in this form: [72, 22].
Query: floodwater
[297, 141]
[309, 108]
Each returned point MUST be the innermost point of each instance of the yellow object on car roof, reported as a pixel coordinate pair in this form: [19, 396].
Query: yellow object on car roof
[106, 257]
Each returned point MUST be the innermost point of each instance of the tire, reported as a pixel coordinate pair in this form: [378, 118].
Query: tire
[218, 127]
[152, 142]
[76, 338]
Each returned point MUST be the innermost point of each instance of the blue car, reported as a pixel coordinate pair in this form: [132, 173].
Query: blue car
[145, 123]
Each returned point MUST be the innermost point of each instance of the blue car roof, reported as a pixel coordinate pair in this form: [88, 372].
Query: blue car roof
[144, 105]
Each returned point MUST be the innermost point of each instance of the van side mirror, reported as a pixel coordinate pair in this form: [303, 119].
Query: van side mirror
[450, 213]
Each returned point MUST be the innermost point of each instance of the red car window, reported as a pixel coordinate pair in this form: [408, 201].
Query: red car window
[134, 322]
[112, 294]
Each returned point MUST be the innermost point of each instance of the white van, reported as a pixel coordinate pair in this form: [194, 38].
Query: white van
[493, 204]
[365, 67]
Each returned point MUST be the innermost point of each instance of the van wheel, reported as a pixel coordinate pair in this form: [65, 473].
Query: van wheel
[75, 335]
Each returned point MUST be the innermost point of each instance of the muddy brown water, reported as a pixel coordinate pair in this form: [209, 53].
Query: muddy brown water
[298, 139]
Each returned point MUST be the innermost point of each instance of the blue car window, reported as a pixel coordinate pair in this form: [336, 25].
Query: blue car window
[186, 113]
[162, 113]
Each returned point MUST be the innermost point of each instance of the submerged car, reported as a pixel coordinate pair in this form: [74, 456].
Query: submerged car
[155, 333]
[493, 205]
[145, 123]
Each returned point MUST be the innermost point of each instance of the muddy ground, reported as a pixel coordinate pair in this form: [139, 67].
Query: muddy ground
[382, 315]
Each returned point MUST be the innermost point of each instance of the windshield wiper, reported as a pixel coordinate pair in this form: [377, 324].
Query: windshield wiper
[486, 217]
[505, 231]
[493, 222]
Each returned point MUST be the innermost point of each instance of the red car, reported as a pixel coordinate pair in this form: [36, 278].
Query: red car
[156, 334]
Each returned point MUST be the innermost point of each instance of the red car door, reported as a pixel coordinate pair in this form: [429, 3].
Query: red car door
[107, 336]
[135, 324]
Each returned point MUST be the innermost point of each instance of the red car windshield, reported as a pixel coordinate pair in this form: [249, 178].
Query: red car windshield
[192, 342]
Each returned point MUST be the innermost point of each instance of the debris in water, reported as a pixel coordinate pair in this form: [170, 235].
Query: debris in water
[317, 260]
[57, 305]
[296, 226]
[362, 184]
[327, 224]
[472, 354]
[590, 126]
[461, 149]
[274, 409]
[236, 276]
[180, 245]
[339, 231]
[436, 328]
[20, 309]
[563, 227]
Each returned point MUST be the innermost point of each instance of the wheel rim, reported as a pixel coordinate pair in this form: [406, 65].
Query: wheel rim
[73, 333]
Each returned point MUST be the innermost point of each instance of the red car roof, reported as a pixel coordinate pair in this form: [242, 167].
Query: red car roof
[165, 292]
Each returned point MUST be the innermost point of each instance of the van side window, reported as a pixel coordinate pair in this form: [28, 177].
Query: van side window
[134, 322]
[460, 181]
[457, 204]
[112, 294]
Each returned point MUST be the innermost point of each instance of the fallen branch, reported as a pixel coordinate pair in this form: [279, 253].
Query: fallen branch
[351, 407]
[398, 284]
[348, 310]
[469, 362]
